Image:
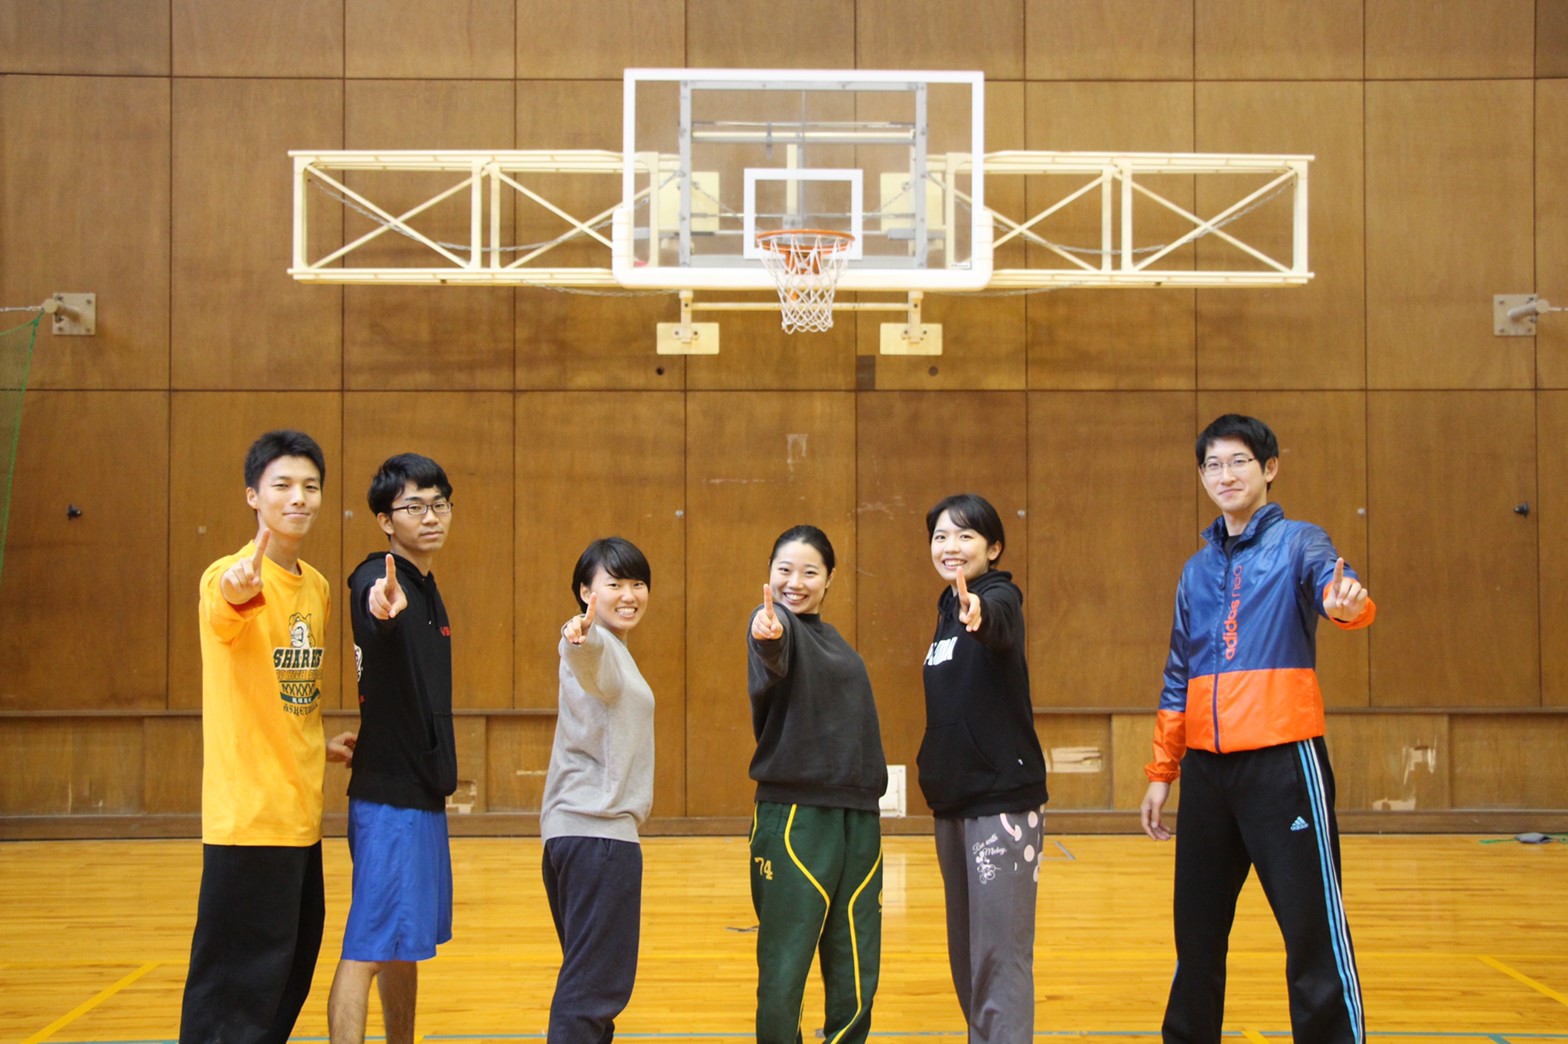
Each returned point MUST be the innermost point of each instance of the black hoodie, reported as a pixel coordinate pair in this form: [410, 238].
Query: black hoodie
[980, 755]
[406, 755]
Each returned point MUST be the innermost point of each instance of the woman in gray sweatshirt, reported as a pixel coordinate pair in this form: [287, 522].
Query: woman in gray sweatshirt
[597, 793]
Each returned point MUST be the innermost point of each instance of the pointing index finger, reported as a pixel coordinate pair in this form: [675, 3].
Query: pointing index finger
[1339, 573]
[767, 599]
[963, 587]
[588, 613]
[263, 538]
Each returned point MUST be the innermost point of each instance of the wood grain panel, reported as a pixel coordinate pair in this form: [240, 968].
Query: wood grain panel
[1449, 39]
[1391, 762]
[1132, 747]
[1110, 502]
[1456, 569]
[242, 322]
[976, 442]
[209, 434]
[624, 34]
[983, 337]
[1311, 336]
[1507, 761]
[472, 766]
[402, 337]
[517, 756]
[172, 780]
[429, 39]
[987, 35]
[573, 340]
[1087, 339]
[1277, 40]
[1551, 224]
[279, 38]
[75, 766]
[590, 466]
[1551, 39]
[1323, 480]
[756, 464]
[1078, 760]
[98, 37]
[74, 222]
[759, 34]
[82, 609]
[1449, 185]
[1108, 39]
[470, 435]
[1551, 418]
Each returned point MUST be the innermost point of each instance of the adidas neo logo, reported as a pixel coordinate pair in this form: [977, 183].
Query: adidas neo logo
[1299, 824]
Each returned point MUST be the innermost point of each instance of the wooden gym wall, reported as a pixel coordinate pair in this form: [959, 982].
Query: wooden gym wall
[144, 160]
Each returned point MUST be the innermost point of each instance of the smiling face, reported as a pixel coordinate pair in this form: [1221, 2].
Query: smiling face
[1236, 480]
[957, 549]
[799, 577]
[621, 602]
[287, 498]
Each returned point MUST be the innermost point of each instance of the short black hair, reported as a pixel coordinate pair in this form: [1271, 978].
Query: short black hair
[397, 472]
[970, 511]
[1257, 435]
[809, 535]
[284, 442]
[620, 560]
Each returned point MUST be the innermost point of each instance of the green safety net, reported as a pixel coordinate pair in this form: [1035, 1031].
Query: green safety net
[16, 355]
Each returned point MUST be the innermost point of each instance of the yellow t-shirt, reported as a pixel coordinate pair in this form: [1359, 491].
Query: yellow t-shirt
[261, 666]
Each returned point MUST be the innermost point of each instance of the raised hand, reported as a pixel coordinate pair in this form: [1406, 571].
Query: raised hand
[1345, 598]
[387, 597]
[968, 605]
[765, 626]
[576, 629]
[242, 581]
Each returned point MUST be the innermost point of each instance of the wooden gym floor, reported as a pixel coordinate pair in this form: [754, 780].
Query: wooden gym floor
[1458, 939]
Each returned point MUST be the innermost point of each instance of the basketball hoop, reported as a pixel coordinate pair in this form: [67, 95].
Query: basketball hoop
[806, 263]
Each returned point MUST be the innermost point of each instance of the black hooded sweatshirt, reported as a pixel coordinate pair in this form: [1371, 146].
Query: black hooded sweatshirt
[980, 755]
[406, 755]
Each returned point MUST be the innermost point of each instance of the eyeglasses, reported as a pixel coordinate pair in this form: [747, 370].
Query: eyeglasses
[417, 509]
[1213, 466]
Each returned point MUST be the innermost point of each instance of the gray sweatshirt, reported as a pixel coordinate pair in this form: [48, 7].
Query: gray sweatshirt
[600, 782]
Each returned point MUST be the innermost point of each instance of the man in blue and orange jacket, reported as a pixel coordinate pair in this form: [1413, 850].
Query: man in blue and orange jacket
[1241, 721]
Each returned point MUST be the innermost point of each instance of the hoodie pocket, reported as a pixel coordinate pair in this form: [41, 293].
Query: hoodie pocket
[952, 766]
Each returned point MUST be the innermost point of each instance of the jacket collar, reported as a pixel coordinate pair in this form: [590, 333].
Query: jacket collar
[1265, 516]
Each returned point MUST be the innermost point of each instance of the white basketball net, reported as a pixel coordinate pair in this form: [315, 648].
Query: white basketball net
[805, 263]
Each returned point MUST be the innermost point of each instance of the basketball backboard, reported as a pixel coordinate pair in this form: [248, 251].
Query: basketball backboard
[712, 157]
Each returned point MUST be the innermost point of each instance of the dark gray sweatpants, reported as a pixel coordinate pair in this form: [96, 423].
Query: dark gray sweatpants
[991, 875]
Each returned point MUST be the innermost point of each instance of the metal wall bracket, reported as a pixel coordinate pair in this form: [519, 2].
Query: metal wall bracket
[687, 337]
[913, 337]
[1513, 315]
[75, 315]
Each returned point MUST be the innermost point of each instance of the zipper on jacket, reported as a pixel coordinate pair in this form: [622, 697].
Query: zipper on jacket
[1219, 644]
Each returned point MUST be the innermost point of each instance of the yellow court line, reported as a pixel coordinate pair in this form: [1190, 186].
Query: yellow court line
[89, 1004]
[1254, 1036]
[1500, 966]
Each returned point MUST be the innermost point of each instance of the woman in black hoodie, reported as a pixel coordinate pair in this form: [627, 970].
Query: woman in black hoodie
[983, 773]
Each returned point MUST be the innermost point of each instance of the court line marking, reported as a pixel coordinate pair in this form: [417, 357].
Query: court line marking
[1254, 1036]
[1500, 966]
[90, 1003]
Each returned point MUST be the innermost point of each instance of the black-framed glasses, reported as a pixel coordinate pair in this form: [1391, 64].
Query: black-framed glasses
[417, 509]
[1213, 466]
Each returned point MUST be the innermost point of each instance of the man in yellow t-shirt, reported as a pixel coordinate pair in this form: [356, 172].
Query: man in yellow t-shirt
[263, 619]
